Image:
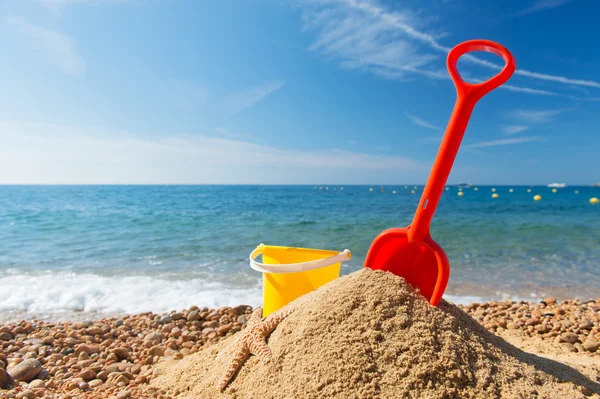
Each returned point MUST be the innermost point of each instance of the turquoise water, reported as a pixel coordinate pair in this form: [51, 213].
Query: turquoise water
[115, 249]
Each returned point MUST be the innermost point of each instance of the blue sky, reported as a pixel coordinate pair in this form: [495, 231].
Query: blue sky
[298, 91]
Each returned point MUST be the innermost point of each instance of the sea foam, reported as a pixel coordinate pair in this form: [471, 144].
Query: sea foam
[66, 292]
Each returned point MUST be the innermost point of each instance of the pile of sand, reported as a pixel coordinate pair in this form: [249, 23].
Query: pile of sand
[370, 335]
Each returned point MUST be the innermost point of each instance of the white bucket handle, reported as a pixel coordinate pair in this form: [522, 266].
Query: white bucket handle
[295, 267]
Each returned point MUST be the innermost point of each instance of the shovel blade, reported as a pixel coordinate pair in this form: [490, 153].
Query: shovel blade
[424, 265]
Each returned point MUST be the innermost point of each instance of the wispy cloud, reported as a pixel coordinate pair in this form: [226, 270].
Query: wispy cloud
[237, 102]
[56, 48]
[420, 122]
[55, 5]
[45, 153]
[234, 135]
[527, 90]
[494, 143]
[540, 5]
[514, 129]
[536, 116]
[187, 95]
[362, 34]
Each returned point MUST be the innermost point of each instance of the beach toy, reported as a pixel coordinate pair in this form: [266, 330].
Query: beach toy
[292, 272]
[411, 252]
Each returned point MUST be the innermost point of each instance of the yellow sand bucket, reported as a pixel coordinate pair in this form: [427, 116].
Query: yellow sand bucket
[292, 272]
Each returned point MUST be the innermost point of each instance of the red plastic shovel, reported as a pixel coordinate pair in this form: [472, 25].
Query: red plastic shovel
[410, 252]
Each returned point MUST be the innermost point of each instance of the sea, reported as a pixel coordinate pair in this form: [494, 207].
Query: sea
[73, 252]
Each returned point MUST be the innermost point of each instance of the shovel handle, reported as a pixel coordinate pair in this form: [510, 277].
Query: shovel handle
[467, 95]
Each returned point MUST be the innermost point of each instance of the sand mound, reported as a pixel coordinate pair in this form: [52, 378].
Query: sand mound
[369, 335]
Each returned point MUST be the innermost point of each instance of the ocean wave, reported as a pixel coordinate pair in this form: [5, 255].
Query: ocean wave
[68, 295]
[66, 292]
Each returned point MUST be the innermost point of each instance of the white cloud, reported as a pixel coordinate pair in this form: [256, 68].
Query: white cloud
[527, 90]
[536, 116]
[237, 102]
[50, 154]
[494, 143]
[234, 135]
[188, 95]
[55, 5]
[358, 37]
[514, 129]
[56, 48]
[540, 5]
[362, 34]
[421, 122]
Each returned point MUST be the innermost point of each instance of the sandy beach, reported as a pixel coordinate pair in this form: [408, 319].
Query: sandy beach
[123, 357]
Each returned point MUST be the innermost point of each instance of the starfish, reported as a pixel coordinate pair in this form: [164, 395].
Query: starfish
[252, 341]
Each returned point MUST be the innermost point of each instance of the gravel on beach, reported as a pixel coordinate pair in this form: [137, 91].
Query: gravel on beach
[114, 357]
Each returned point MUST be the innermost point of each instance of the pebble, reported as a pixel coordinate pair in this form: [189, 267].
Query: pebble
[35, 384]
[156, 350]
[591, 344]
[4, 336]
[569, 337]
[193, 316]
[95, 383]
[153, 337]
[26, 371]
[574, 324]
[122, 351]
[27, 394]
[6, 381]
[550, 301]
[87, 374]
[124, 394]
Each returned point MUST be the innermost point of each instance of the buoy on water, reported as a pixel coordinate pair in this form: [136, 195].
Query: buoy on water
[528, 190]
[594, 200]
[537, 197]
[341, 188]
[460, 193]
[394, 192]
[576, 191]
[475, 189]
[495, 195]
[510, 190]
[412, 191]
[493, 190]
[371, 189]
[554, 190]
